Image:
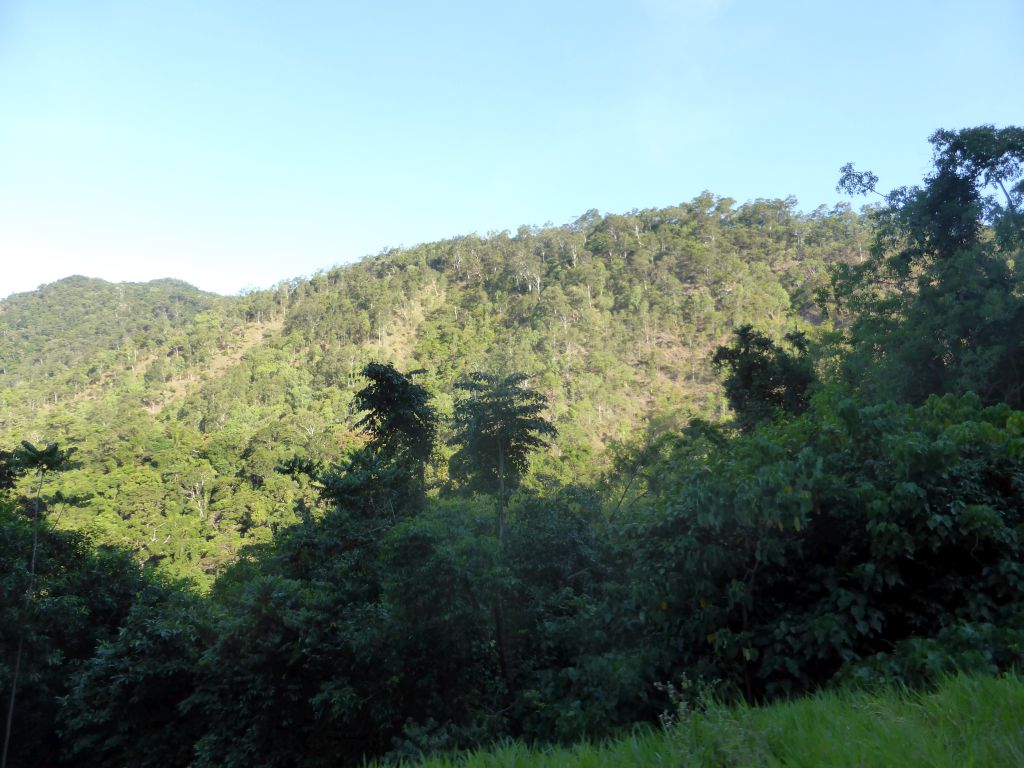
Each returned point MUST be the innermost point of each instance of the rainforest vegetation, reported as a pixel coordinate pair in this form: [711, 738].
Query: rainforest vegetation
[542, 485]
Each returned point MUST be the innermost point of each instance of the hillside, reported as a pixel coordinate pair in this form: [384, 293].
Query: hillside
[79, 337]
[65, 335]
[181, 404]
[528, 539]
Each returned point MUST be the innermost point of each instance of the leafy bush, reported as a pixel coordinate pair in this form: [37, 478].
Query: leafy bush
[782, 556]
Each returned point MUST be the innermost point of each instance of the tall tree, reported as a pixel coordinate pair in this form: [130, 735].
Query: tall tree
[938, 303]
[498, 423]
[399, 419]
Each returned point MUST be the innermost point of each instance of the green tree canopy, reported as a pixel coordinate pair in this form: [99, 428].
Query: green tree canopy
[498, 423]
[763, 379]
[398, 417]
[937, 306]
[400, 421]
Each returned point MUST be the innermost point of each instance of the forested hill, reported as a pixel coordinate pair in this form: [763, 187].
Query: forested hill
[61, 338]
[455, 494]
[181, 404]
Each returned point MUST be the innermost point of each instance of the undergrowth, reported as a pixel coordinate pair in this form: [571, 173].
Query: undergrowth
[966, 721]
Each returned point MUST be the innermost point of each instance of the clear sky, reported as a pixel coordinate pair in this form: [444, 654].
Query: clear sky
[236, 143]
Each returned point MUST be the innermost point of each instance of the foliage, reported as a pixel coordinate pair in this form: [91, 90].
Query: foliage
[937, 307]
[125, 705]
[335, 650]
[56, 613]
[69, 334]
[49, 459]
[764, 380]
[782, 556]
[182, 404]
[498, 424]
[308, 571]
[400, 421]
[10, 469]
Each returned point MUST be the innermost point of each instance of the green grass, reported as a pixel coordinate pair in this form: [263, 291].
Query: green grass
[967, 723]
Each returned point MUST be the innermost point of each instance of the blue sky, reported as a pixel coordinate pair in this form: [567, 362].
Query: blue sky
[235, 144]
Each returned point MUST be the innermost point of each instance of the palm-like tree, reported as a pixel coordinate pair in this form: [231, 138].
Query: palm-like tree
[498, 424]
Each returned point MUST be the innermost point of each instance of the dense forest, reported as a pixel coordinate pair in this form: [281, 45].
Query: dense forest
[519, 485]
[181, 404]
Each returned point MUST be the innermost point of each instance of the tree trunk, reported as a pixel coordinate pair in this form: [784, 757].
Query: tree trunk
[501, 495]
[423, 486]
[499, 608]
[502, 643]
[10, 708]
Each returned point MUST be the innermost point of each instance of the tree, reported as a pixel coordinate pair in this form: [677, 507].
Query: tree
[780, 557]
[42, 460]
[399, 419]
[81, 595]
[764, 380]
[10, 469]
[938, 303]
[498, 424]
[124, 703]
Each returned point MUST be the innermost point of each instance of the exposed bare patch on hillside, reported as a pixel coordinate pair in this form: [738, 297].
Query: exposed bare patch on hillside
[177, 388]
[399, 337]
